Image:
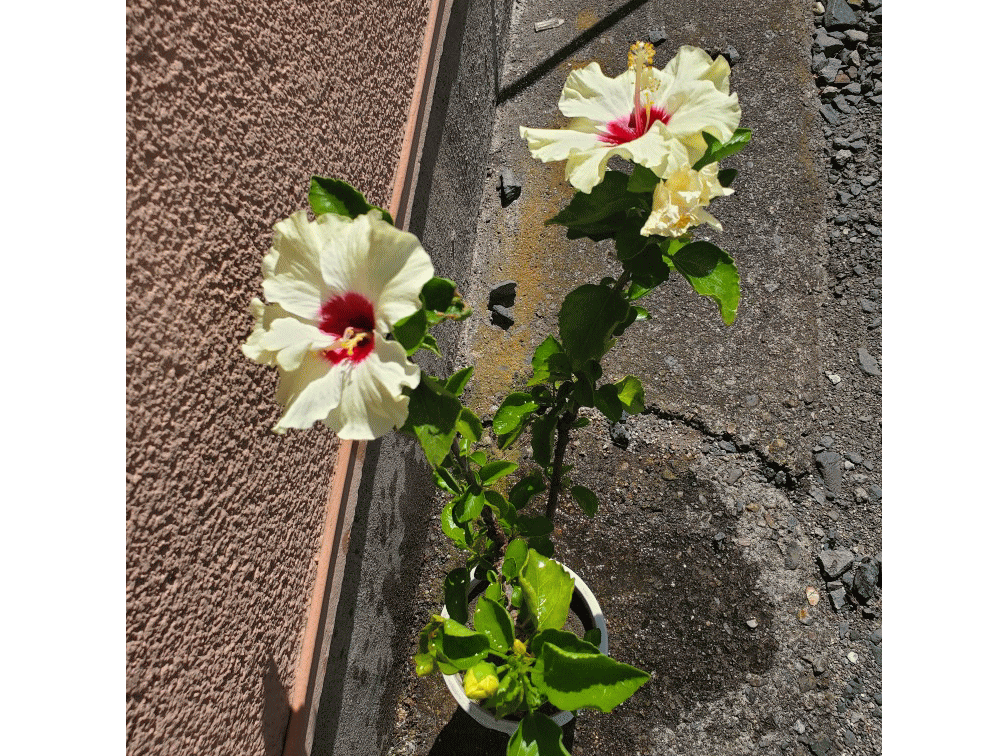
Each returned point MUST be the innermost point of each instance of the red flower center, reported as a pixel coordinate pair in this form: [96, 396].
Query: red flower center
[350, 320]
[626, 129]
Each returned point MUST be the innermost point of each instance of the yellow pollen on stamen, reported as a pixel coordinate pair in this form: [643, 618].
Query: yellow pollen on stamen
[640, 58]
[352, 338]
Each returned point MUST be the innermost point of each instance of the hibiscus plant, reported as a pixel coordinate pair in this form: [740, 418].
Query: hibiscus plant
[350, 299]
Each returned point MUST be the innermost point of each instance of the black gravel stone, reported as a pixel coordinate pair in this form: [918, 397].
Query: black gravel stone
[850, 739]
[838, 15]
[868, 363]
[835, 562]
[501, 316]
[509, 187]
[821, 746]
[502, 294]
[830, 70]
[830, 466]
[865, 578]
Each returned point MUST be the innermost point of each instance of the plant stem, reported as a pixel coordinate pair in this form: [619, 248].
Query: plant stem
[493, 529]
[563, 436]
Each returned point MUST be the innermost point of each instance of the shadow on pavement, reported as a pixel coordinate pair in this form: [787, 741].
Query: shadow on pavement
[464, 736]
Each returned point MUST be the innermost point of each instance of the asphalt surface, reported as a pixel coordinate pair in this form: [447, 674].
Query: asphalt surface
[715, 511]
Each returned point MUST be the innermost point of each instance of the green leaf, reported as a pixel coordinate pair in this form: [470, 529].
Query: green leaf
[537, 735]
[445, 480]
[649, 268]
[630, 243]
[534, 527]
[717, 151]
[613, 399]
[533, 696]
[726, 175]
[516, 597]
[547, 590]
[543, 439]
[509, 696]
[438, 293]
[631, 395]
[457, 383]
[456, 593]
[410, 331]
[450, 528]
[328, 195]
[492, 619]
[561, 639]
[636, 291]
[433, 412]
[607, 402]
[575, 680]
[586, 499]
[601, 213]
[549, 363]
[542, 544]
[584, 391]
[511, 416]
[501, 507]
[523, 491]
[494, 592]
[628, 321]
[712, 273]
[587, 317]
[470, 507]
[593, 635]
[460, 647]
[469, 425]
[642, 180]
[496, 470]
[514, 559]
[429, 343]
[479, 457]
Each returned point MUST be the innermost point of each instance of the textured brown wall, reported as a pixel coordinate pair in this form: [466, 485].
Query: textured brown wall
[230, 109]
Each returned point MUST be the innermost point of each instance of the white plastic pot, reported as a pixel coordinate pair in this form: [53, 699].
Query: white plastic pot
[583, 604]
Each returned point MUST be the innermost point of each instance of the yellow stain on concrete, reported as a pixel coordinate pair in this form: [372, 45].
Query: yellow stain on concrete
[586, 19]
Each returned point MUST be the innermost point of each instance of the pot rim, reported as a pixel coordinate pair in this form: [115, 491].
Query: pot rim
[474, 710]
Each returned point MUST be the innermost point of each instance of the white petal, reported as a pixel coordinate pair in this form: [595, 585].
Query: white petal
[693, 64]
[703, 108]
[344, 254]
[264, 315]
[372, 402]
[657, 150]
[291, 339]
[589, 93]
[548, 145]
[310, 392]
[292, 277]
[398, 268]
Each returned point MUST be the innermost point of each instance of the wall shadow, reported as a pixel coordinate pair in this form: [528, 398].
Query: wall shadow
[334, 684]
[276, 713]
[581, 40]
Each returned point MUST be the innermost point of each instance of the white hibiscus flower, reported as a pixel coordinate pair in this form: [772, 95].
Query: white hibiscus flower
[637, 114]
[334, 287]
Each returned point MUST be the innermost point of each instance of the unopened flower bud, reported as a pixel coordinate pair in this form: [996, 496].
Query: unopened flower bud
[481, 681]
